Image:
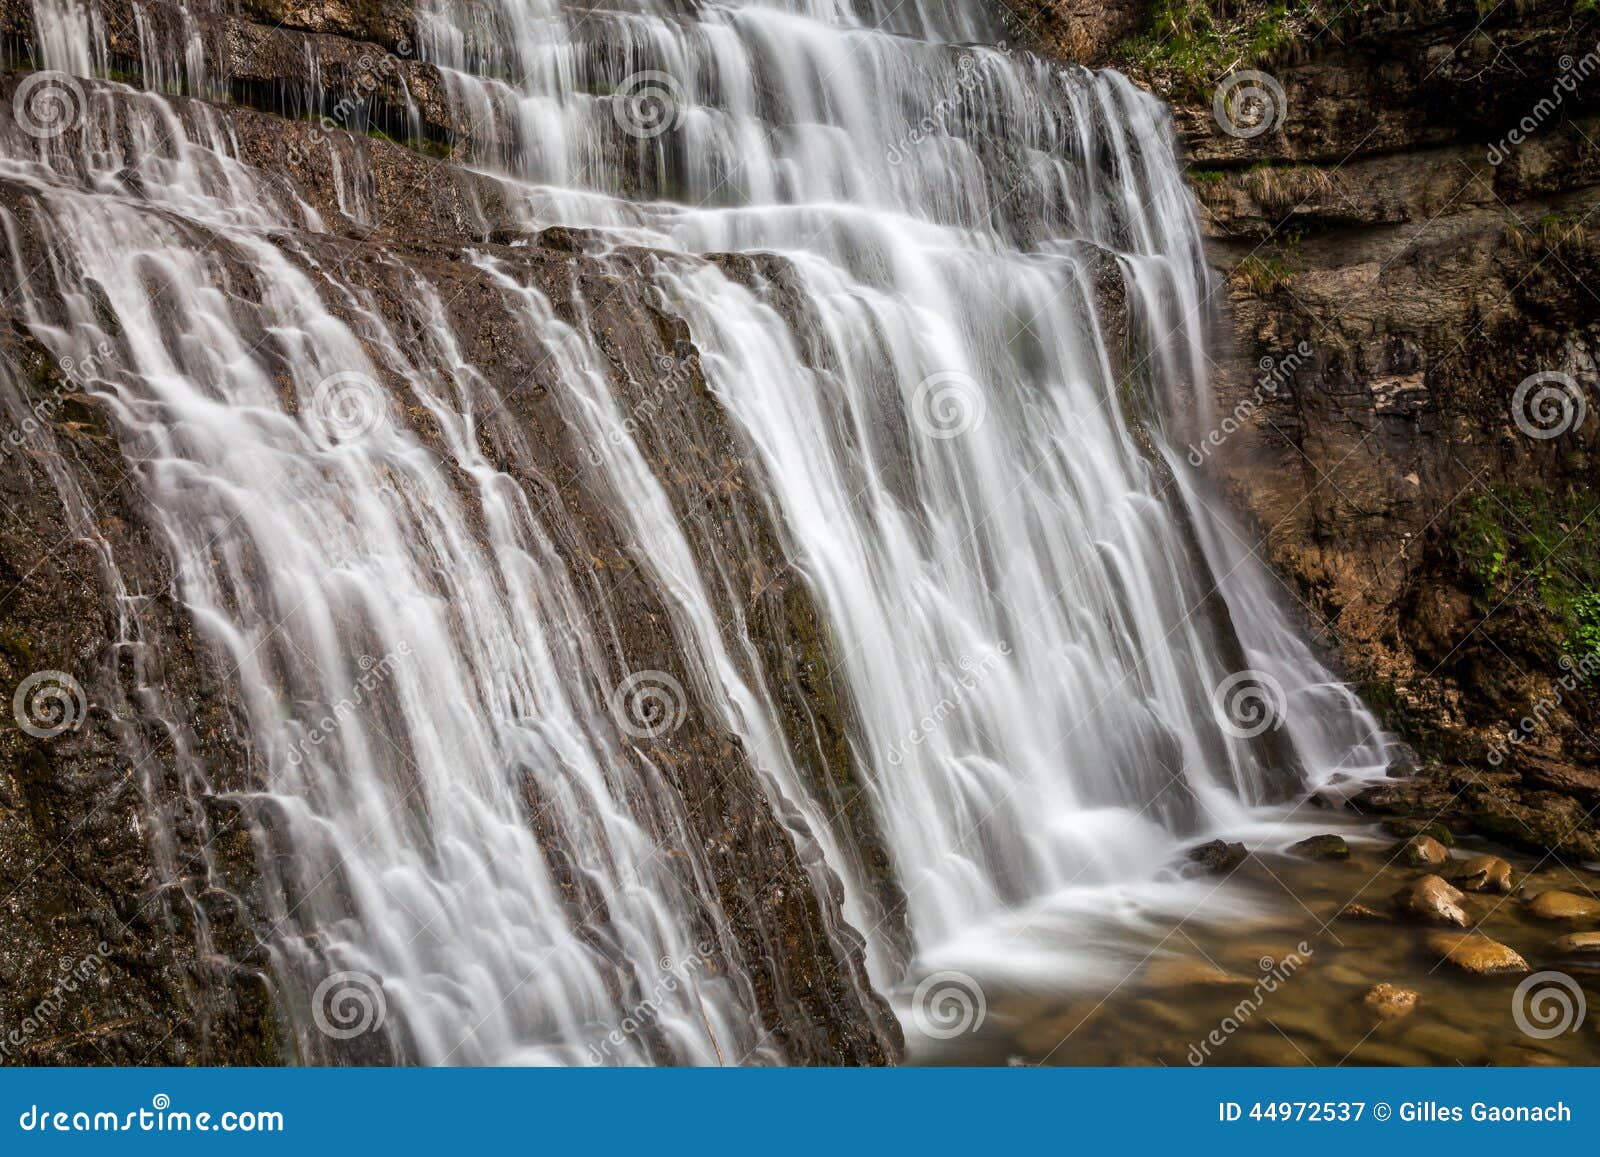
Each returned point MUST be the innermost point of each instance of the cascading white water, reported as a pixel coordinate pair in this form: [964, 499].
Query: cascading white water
[960, 371]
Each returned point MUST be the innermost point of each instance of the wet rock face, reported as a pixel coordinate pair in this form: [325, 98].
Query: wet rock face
[135, 929]
[1407, 401]
[131, 886]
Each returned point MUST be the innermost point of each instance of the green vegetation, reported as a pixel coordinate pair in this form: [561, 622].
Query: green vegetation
[1272, 266]
[425, 145]
[1538, 551]
[1196, 42]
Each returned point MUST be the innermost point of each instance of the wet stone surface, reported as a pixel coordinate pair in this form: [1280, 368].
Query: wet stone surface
[1296, 983]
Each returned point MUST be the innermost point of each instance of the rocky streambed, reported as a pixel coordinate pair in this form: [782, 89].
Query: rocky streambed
[1348, 946]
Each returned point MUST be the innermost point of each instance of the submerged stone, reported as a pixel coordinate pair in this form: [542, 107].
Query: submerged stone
[1432, 899]
[1324, 847]
[1219, 856]
[1389, 1002]
[1564, 906]
[1483, 874]
[1423, 852]
[1476, 953]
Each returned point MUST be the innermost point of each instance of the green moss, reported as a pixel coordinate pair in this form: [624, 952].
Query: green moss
[1263, 273]
[424, 145]
[1538, 549]
[17, 648]
[1481, 545]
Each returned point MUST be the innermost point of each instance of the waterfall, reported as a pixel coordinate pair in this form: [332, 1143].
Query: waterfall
[951, 300]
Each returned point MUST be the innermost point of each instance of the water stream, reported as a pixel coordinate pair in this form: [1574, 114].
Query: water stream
[974, 328]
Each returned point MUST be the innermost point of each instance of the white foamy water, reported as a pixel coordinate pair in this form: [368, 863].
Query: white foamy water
[973, 325]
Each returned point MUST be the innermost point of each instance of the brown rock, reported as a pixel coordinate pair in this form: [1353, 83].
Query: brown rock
[1476, 954]
[1325, 847]
[1219, 856]
[1423, 852]
[1483, 874]
[1186, 972]
[1577, 944]
[1564, 906]
[1432, 899]
[1549, 775]
[1389, 1002]
[1360, 912]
